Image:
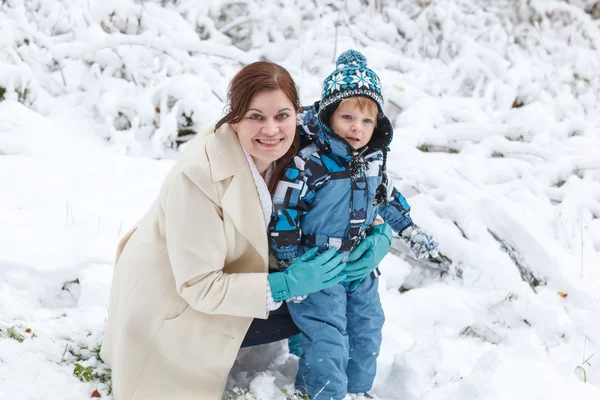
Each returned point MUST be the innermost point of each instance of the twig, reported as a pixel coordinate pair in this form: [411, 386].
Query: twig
[235, 23]
[462, 232]
[139, 28]
[65, 352]
[61, 72]
[335, 42]
[217, 96]
[69, 213]
[62, 9]
[323, 388]
[518, 260]
[581, 238]
[466, 178]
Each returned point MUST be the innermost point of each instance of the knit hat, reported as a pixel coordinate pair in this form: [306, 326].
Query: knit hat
[353, 78]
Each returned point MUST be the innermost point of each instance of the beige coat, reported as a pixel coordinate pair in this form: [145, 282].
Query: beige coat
[189, 278]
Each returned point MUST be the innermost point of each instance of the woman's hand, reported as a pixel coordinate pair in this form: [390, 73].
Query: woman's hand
[308, 274]
[369, 253]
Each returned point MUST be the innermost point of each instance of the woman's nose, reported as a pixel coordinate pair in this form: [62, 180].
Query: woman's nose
[270, 127]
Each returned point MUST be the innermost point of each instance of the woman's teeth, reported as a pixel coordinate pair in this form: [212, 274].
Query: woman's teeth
[269, 141]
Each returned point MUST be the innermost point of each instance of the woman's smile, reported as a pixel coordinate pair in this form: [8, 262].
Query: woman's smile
[270, 143]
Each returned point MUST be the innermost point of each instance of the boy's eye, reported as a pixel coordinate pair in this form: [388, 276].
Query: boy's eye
[346, 116]
[368, 121]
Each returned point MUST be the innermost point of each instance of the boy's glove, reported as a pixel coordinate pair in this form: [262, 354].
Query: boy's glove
[421, 245]
[308, 274]
[369, 253]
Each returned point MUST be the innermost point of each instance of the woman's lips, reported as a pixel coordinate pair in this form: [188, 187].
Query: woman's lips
[269, 142]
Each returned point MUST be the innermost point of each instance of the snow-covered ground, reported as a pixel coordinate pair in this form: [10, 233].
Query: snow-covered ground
[497, 147]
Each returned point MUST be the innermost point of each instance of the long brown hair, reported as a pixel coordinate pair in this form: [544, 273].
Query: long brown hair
[252, 79]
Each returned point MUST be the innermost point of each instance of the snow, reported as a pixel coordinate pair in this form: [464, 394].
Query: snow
[94, 93]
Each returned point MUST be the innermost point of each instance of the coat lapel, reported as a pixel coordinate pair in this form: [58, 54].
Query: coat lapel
[240, 200]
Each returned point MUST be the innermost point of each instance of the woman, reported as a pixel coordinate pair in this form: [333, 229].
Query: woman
[192, 274]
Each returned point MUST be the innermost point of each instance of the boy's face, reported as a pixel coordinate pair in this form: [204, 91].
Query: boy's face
[353, 124]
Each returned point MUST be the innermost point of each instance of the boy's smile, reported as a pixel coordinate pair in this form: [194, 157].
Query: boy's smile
[356, 126]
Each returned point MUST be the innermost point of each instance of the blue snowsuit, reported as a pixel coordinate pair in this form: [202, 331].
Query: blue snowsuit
[327, 198]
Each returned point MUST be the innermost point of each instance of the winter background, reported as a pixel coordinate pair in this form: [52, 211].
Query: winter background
[496, 111]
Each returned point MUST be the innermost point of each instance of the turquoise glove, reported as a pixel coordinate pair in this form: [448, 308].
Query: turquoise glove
[295, 345]
[308, 274]
[368, 254]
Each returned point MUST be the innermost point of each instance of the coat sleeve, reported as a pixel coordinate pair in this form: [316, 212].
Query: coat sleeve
[292, 199]
[197, 248]
[397, 211]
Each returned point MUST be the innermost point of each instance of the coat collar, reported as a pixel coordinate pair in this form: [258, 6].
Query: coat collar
[225, 153]
[240, 200]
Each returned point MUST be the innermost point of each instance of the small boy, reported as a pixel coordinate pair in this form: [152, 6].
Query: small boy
[329, 196]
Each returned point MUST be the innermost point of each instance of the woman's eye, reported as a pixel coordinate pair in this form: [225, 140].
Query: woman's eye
[283, 116]
[255, 117]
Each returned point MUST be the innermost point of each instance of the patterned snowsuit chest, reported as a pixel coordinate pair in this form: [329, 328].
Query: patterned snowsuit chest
[342, 207]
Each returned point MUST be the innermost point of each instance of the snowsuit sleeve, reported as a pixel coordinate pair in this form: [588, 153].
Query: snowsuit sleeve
[307, 122]
[397, 211]
[292, 199]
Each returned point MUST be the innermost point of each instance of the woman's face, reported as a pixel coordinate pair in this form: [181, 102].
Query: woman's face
[266, 131]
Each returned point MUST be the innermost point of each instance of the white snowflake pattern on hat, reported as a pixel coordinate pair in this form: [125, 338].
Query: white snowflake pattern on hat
[362, 79]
